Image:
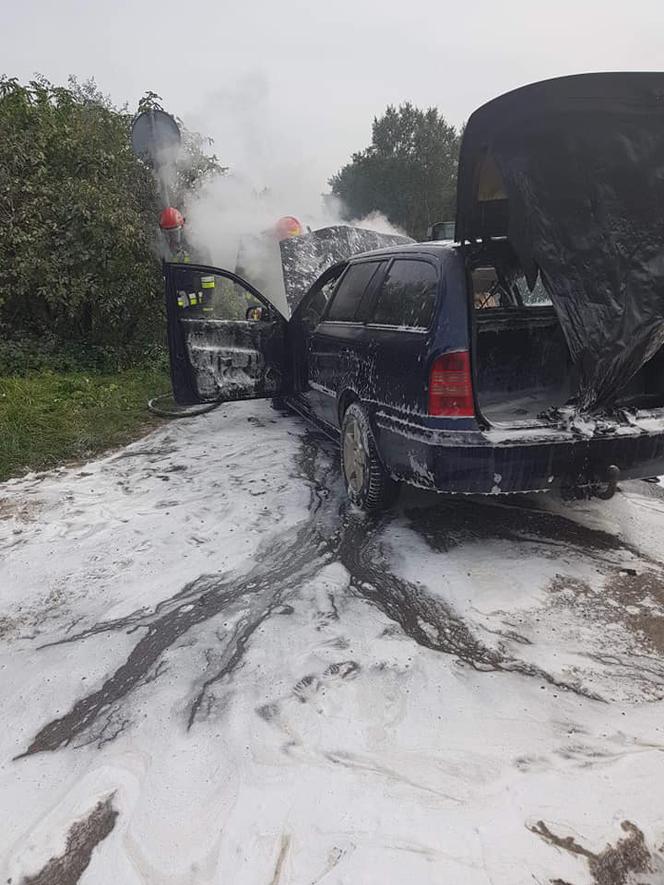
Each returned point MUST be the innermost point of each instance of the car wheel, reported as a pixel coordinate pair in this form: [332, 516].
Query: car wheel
[368, 484]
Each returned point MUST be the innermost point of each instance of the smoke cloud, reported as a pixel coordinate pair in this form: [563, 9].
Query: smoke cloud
[270, 176]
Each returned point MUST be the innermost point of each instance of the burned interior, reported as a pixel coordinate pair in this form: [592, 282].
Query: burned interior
[523, 364]
[524, 368]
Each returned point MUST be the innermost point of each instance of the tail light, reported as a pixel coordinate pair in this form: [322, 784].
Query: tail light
[451, 386]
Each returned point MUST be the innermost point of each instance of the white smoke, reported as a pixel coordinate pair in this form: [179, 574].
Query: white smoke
[269, 177]
[230, 208]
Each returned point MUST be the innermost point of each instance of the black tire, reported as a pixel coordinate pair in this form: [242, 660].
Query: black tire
[368, 484]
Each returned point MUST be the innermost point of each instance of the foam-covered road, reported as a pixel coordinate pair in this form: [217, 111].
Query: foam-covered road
[213, 671]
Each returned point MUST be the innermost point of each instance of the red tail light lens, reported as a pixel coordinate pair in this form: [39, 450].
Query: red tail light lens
[451, 386]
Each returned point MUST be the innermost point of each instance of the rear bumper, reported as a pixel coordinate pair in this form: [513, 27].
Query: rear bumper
[476, 462]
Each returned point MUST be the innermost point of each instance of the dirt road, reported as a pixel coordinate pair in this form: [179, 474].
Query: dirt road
[214, 671]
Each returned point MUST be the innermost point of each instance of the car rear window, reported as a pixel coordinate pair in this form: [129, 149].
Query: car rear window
[408, 295]
[350, 290]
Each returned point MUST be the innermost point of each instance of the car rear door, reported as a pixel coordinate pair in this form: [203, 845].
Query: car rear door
[226, 341]
[399, 332]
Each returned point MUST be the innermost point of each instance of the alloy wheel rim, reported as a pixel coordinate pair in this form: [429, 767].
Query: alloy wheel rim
[355, 456]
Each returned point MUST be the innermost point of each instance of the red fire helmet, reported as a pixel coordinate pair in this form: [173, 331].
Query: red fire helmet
[171, 219]
[288, 226]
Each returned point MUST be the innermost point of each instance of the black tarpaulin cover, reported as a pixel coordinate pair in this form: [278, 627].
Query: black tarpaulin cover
[572, 170]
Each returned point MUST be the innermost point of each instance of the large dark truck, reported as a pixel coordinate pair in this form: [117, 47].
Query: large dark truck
[525, 356]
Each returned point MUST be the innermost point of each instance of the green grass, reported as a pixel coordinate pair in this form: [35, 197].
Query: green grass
[49, 418]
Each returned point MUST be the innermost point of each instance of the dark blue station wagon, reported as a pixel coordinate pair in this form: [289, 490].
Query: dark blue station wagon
[394, 351]
[437, 364]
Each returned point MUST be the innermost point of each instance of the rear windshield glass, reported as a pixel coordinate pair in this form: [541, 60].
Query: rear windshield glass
[539, 297]
[407, 296]
[350, 290]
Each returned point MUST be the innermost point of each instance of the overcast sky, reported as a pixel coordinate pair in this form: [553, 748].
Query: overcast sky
[298, 81]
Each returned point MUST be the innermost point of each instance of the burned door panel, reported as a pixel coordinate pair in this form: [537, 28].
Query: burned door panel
[235, 360]
[226, 341]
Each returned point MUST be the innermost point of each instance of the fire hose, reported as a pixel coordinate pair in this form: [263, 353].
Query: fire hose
[184, 412]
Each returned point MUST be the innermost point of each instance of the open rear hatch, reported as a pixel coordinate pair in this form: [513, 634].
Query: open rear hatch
[566, 177]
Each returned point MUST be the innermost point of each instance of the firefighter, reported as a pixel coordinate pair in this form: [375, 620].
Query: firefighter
[171, 223]
[199, 289]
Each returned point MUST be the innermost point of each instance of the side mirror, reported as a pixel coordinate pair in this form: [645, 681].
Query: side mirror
[258, 314]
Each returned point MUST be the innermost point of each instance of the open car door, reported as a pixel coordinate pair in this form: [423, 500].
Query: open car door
[226, 341]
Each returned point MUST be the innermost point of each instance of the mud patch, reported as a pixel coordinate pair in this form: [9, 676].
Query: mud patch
[621, 864]
[631, 599]
[644, 592]
[82, 839]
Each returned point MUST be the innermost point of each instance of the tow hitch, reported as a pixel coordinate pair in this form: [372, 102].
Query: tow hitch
[584, 489]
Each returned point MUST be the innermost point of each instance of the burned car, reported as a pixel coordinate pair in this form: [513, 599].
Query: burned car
[526, 355]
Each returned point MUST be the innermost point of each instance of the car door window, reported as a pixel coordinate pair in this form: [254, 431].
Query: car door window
[349, 291]
[316, 300]
[408, 295]
[201, 295]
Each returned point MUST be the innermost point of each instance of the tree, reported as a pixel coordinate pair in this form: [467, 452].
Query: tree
[408, 172]
[78, 210]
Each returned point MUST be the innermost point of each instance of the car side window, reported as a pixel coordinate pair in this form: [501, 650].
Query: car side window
[408, 295]
[211, 296]
[349, 291]
[487, 290]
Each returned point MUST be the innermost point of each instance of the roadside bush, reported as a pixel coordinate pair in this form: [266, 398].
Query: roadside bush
[77, 210]
[23, 355]
[78, 226]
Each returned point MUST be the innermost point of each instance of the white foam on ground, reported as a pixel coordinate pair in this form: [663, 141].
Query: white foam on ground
[340, 750]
